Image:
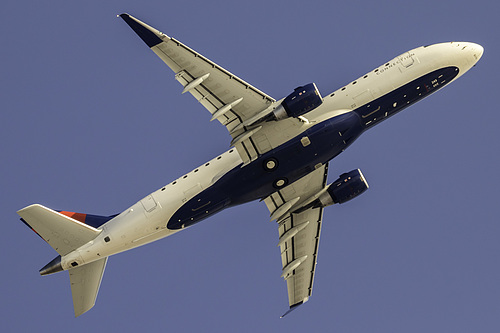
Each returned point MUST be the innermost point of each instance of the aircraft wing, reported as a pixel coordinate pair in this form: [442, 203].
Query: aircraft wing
[228, 98]
[299, 230]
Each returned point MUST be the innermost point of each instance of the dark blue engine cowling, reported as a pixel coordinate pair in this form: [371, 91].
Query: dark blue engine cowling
[348, 186]
[302, 100]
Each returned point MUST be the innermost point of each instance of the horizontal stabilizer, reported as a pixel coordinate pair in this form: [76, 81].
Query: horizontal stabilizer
[85, 281]
[63, 233]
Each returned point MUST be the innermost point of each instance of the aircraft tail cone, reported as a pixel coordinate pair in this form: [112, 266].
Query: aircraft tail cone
[52, 267]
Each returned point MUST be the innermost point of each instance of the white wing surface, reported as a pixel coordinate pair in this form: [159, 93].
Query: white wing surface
[299, 231]
[228, 98]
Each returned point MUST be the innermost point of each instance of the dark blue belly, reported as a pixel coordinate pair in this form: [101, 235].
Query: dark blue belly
[290, 162]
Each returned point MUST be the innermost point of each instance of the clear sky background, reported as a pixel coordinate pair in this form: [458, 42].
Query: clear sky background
[92, 121]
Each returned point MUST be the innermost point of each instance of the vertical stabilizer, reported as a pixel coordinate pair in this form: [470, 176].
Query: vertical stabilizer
[85, 281]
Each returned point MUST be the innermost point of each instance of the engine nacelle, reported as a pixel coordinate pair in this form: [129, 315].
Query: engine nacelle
[302, 100]
[347, 187]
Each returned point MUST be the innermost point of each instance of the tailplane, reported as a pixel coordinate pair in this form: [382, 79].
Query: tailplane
[62, 232]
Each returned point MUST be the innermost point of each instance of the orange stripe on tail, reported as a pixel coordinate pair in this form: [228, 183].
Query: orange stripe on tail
[77, 216]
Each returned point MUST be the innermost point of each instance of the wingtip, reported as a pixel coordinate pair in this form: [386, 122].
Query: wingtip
[148, 34]
[295, 306]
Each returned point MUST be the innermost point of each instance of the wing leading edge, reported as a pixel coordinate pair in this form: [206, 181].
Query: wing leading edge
[299, 233]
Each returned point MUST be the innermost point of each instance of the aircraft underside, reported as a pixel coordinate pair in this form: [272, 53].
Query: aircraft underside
[300, 156]
[280, 155]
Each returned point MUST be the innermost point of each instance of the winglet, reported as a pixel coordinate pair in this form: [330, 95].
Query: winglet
[293, 307]
[148, 34]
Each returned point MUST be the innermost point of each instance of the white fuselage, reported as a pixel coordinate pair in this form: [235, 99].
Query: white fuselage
[146, 221]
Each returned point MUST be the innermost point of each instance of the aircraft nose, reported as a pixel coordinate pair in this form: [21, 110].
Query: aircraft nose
[476, 51]
[472, 52]
[467, 54]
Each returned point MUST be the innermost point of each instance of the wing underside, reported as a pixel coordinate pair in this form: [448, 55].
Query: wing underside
[299, 231]
[230, 100]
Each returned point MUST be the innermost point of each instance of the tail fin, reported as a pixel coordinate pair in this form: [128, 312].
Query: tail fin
[62, 232]
[65, 232]
[85, 281]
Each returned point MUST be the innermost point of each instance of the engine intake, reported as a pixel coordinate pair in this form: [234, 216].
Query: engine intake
[302, 100]
[347, 187]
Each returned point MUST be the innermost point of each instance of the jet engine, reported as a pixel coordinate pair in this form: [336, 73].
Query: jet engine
[347, 187]
[302, 100]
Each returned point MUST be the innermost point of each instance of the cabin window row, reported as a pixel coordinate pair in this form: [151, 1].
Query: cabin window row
[196, 170]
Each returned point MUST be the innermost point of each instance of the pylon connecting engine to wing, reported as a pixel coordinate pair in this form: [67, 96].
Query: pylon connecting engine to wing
[347, 187]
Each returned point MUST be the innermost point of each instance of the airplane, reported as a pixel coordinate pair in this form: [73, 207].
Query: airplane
[280, 150]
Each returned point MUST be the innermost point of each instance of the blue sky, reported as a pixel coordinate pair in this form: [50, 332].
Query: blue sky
[91, 121]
